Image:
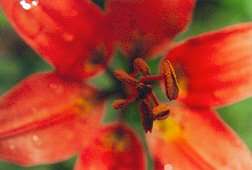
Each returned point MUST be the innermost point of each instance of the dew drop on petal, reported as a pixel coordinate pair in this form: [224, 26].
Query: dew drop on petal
[53, 86]
[36, 140]
[12, 147]
[68, 37]
[57, 88]
[168, 167]
[28, 4]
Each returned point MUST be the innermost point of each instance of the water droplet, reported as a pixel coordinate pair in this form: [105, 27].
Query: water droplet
[53, 86]
[68, 37]
[28, 4]
[12, 147]
[58, 89]
[168, 167]
[36, 140]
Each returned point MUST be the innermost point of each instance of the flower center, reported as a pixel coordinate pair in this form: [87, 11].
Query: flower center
[139, 85]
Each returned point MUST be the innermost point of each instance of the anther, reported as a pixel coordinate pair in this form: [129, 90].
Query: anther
[160, 112]
[120, 103]
[125, 77]
[141, 66]
[170, 81]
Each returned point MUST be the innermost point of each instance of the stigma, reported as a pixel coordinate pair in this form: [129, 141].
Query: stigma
[139, 83]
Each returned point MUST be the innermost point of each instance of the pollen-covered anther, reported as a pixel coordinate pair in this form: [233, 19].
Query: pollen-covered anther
[170, 80]
[141, 66]
[160, 112]
[125, 77]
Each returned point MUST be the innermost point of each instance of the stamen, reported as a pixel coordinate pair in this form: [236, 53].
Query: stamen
[170, 81]
[119, 103]
[141, 90]
[161, 112]
[149, 79]
[154, 98]
[146, 115]
[125, 77]
[141, 66]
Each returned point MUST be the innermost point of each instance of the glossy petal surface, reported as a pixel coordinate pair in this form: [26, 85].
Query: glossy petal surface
[115, 147]
[66, 33]
[198, 140]
[140, 25]
[46, 119]
[215, 68]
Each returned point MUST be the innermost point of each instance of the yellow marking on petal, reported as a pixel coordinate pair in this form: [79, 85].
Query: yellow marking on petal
[168, 129]
[115, 142]
[83, 106]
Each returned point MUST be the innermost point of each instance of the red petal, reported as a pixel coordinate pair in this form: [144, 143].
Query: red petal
[115, 147]
[198, 140]
[158, 165]
[140, 25]
[67, 33]
[44, 118]
[216, 66]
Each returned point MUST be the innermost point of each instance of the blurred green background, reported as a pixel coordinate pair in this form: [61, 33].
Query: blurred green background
[17, 61]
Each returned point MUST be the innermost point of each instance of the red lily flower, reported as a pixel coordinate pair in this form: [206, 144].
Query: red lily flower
[211, 70]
